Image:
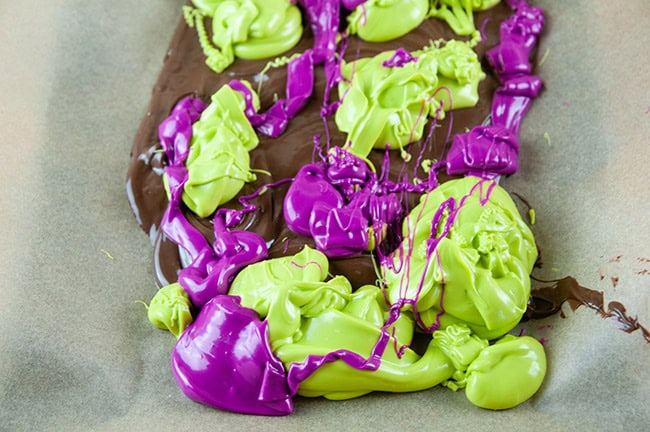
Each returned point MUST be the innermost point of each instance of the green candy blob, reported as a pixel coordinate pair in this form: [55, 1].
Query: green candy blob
[459, 14]
[248, 29]
[282, 289]
[506, 373]
[478, 273]
[287, 290]
[384, 20]
[170, 309]
[218, 162]
[389, 106]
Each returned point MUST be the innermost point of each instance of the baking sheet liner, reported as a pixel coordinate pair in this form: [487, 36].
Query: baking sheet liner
[76, 350]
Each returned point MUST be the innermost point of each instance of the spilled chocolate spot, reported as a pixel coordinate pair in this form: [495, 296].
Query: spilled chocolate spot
[548, 300]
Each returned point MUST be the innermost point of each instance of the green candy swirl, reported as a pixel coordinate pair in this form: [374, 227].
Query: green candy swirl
[248, 29]
[389, 106]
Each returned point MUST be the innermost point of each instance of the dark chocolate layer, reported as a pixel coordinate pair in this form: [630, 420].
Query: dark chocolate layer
[184, 73]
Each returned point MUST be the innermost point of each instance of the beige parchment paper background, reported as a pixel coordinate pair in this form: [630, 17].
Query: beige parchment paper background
[76, 351]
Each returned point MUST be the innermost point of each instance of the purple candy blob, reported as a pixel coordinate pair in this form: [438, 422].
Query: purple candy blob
[490, 151]
[224, 360]
[484, 151]
[339, 232]
[310, 186]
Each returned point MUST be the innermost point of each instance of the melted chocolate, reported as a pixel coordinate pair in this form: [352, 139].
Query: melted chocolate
[548, 300]
[184, 73]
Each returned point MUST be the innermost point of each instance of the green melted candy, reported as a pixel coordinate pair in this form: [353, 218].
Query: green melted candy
[459, 14]
[248, 29]
[478, 272]
[384, 20]
[309, 317]
[218, 162]
[506, 373]
[389, 106]
[170, 309]
[286, 290]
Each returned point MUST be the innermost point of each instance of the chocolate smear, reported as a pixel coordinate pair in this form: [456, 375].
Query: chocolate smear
[548, 300]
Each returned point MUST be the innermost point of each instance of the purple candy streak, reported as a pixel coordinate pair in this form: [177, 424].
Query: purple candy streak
[298, 372]
[399, 59]
[512, 100]
[323, 16]
[223, 359]
[490, 151]
[300, 83]
[212, 267]
[213, 270]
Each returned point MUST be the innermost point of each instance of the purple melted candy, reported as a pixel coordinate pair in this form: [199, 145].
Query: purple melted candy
[212, 267]
[223, 359]
[310, 186]
[212, 271]
[399, 59]
[324, 17]
[484, 151]
[490, 151]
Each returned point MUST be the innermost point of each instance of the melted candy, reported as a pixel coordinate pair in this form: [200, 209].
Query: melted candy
[285, 328]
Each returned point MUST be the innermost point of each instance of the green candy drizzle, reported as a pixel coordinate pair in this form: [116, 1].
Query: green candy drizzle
[248, 29]
[388, 106]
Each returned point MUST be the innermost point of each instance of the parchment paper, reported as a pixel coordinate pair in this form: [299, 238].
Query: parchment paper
[76, 350]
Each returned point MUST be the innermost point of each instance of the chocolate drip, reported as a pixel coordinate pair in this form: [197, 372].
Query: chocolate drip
[548, 300]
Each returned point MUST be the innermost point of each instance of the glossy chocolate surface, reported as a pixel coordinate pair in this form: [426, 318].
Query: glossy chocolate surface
[185, 74]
